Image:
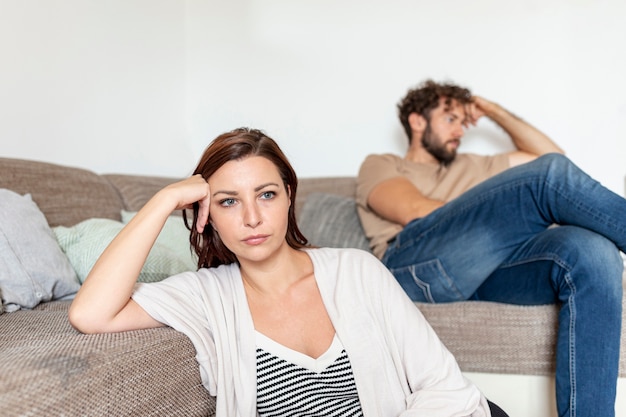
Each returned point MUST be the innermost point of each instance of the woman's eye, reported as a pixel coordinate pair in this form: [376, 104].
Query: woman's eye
[268, 195]
[227, 202]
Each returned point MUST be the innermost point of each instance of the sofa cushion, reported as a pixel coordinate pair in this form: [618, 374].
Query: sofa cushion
[33, 269]
[50, 369]
[84, 243]
[332, 221]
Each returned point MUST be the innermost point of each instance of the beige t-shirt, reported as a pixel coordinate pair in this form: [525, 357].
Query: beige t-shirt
[436, 182]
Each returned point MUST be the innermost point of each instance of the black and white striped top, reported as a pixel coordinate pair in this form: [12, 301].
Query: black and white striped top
[290, 383]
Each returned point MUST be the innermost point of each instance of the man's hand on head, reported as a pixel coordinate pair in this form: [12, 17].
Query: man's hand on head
[476, 109]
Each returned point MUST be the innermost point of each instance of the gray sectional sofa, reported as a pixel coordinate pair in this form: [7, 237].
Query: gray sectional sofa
[49, 369]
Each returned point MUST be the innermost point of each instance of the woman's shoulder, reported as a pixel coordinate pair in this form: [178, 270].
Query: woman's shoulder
[203, 277]
[326, 257]
[197, 289]
[338, 252]
[349, 269]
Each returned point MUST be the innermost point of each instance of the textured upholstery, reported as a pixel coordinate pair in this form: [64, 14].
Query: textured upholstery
[50, 369]
[495, 337]
[65, 195]
[136, 190]
[329, 220]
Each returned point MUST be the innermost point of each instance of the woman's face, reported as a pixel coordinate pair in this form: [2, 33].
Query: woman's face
[249, 208]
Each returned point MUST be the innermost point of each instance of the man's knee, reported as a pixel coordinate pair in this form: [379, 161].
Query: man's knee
[554, 163]
[554, 159]
[594, 248]
[594, 260]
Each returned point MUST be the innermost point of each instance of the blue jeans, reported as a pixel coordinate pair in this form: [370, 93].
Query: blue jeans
[495, 243]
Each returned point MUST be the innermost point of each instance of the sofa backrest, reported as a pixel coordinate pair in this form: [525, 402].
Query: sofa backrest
[65, 195]
[68, 195]
[342, 186]
[136, 190]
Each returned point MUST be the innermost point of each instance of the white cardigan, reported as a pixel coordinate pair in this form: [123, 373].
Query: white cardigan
[400, 366]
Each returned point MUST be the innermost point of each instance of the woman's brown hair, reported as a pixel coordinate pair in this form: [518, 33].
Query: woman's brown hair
[234, 145]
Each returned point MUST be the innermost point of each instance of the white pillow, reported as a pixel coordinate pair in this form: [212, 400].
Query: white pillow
[33, 269]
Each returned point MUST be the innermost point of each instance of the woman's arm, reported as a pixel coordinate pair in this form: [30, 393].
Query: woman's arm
[103, 304]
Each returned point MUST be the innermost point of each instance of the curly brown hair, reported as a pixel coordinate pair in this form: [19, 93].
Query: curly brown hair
[425, 98]
[236, 145]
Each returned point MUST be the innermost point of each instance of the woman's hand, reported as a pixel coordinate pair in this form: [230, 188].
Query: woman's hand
[191, 190]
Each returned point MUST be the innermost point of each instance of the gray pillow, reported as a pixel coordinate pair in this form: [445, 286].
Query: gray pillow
[33, 268]
[330, 220]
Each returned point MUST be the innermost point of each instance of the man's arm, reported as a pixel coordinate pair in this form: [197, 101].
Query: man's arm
[399, 201]
[529, 141]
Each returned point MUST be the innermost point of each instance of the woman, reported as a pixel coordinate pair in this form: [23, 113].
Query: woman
[262, 300]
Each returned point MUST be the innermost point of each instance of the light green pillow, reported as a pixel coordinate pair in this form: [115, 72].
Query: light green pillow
[84, 242]
[175, 236]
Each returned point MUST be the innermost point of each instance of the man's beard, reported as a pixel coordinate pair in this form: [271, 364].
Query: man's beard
[437, 147]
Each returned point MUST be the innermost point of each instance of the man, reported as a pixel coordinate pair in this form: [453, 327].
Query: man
[456, 227]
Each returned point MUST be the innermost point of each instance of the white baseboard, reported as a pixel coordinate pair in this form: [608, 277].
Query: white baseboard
[530, 395]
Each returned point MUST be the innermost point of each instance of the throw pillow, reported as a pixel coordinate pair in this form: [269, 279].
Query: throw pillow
[175, 236]
[33, 269]
[84, 243]
[332, 221]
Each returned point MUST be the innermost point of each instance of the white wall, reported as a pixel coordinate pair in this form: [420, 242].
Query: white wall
[97, 84]
[83, 80]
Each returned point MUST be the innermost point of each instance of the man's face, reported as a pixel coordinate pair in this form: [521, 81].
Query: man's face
[444, 130]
